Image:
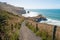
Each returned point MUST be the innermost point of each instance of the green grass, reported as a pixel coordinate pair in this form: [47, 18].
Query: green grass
[15, 35]
[31, 27]
[8, 31]
[43, 34]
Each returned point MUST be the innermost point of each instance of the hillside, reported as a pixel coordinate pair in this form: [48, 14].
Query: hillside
[11, 8]
[9, 25]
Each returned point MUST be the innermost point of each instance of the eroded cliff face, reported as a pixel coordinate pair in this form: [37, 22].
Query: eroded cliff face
[12, 9]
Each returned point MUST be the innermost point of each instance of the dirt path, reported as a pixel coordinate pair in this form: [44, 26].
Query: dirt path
[27, 34]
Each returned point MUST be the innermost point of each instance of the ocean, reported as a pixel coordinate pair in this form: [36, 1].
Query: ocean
[52, 15]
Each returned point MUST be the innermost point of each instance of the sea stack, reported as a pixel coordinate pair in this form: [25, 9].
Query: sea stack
[28, 11]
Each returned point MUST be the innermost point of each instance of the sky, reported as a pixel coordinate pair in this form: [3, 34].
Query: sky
[35, 4]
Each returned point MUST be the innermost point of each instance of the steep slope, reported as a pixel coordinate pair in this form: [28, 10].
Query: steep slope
[12, 9]
[9, 25]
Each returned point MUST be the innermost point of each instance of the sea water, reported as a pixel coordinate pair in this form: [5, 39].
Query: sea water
[52, 15]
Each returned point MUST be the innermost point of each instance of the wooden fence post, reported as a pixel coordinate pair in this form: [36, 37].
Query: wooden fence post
[54, 32]
[37, 27]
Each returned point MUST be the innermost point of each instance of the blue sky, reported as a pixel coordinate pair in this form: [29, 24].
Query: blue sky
[35, 4]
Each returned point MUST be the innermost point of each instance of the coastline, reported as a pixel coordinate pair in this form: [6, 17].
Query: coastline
[51, 22]
[48, 21]
[47, 28]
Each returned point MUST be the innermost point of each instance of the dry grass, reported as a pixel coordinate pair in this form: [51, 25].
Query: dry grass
[45, 30]
[9, 29]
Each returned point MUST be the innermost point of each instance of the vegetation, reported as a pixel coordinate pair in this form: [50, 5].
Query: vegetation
[31, 27]
[43, 34]
[9, 26]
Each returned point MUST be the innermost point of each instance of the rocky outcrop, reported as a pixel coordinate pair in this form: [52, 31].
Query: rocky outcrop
[12, 9]
[38, 18]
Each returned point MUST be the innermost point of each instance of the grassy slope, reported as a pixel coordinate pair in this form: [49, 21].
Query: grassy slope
[43, 34]
[9, 25]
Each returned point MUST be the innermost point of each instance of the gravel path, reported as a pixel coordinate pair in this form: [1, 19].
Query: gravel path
[27, 34]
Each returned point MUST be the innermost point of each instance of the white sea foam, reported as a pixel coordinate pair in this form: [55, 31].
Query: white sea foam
[49, 21]
[52, 22]
[31, 14]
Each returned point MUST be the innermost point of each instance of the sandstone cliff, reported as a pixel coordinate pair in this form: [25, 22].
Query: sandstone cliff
[12, 9]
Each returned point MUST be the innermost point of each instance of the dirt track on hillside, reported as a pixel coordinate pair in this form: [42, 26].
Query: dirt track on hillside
[27, 34]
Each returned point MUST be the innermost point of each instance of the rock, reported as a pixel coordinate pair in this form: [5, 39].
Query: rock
[11, 8]
[28, 12]
[38, 18]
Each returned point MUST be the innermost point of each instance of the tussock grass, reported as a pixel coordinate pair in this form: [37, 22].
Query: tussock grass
[43, 34]
[9, 25]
